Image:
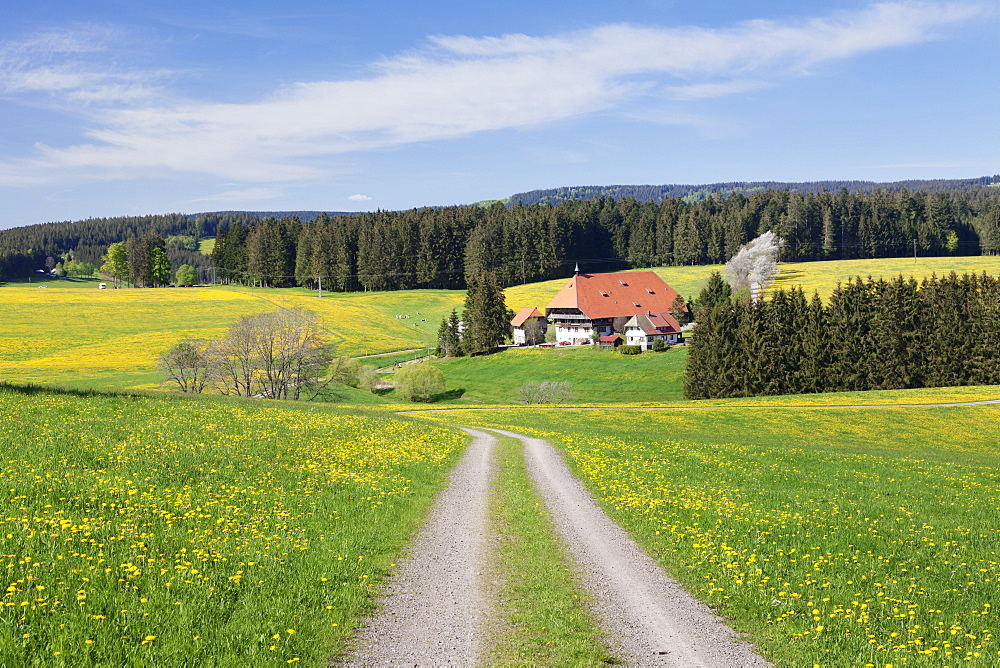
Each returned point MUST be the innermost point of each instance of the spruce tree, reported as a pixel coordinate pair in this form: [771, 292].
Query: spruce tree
[485, 314]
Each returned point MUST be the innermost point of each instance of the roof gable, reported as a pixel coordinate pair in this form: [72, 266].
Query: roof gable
[523, 315]
[654, 323]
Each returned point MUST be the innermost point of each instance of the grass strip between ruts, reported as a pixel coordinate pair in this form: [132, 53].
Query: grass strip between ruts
[542, 612]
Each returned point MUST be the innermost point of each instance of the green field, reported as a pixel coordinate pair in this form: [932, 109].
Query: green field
[164, 531]
[832, 537]
[73, 334]
[223, 531]
[495, 379]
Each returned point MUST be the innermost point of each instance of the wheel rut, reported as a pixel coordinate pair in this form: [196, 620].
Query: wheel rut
[435, 611]
[646, 616]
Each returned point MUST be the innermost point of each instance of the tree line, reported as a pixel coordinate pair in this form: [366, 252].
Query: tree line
[440, 247]
[872, 335]
[693, 193]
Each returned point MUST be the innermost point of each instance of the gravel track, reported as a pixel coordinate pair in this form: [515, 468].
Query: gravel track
[434, 609]
[648, 618]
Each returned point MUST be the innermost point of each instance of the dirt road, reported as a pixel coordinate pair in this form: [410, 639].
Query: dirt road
[434, 608]
[435, 611]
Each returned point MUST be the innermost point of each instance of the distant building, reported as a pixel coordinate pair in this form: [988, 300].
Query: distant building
[645, 328]
[523, 319]
[590, 303]
[609, 341]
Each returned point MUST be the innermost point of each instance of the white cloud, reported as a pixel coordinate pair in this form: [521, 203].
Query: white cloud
[65, 65]
[457, 86]
[359, 198]
[242, 195]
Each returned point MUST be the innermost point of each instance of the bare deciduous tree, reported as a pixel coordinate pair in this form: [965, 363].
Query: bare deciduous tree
[189, 364]
[281, 355]
[545, 392]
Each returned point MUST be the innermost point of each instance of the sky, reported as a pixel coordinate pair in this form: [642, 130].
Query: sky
[128, 108]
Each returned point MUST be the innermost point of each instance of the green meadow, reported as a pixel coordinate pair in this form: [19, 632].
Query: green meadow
[597, 376]
[211, 530]
[835, 536]
[144, 530]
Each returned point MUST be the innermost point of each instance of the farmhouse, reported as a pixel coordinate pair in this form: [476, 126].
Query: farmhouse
[526, 320]
[645, 328]
[590, 303]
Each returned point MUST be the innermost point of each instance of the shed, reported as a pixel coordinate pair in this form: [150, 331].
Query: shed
[610, 341]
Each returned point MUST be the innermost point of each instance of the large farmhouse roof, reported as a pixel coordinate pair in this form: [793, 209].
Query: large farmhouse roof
[614, 295]
[524, 314]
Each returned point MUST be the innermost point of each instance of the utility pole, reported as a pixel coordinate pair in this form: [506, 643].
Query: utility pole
[320, 279]
[914, 251]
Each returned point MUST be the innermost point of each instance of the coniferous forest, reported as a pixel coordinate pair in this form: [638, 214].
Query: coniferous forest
[437, 247]
[872, 335]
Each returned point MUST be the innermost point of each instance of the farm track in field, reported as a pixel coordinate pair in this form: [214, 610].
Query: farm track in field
[435, 611]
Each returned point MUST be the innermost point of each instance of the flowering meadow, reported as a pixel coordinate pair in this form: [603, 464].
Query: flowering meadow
[832, 536]
[85, 337]
[146, 531]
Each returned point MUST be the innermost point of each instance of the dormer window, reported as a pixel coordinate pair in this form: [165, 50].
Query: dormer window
[622, 282]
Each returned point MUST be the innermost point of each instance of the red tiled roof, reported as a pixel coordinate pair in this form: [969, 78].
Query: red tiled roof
[618, 294]
[610, 338]
[524, 314]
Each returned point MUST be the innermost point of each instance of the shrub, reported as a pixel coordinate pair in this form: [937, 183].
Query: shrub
[660, 345]
[419, 382]
[545, 392]
[630, 350]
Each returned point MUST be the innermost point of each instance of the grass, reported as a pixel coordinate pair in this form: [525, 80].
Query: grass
[543, 614]
[207, 531]
[823, 277]
[390, 359]
[76, 335]
[112, 338]
[834, 537]
[597, 376]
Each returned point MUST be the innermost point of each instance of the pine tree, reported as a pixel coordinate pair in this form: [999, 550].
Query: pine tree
[485, 314]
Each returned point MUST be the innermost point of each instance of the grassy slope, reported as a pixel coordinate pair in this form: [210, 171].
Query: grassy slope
[73, 334]
[834, 537]
[597, 376]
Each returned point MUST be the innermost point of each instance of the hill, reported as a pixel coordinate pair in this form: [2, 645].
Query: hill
[73, 334]
[694, 193]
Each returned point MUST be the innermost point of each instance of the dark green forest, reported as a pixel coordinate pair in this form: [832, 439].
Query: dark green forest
[693, 193]
[438, 247]
[872, 335]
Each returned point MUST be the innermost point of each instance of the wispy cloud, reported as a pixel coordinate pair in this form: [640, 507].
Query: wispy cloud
[69, 66]
[242, 195]
[455, 86]
[359, 198]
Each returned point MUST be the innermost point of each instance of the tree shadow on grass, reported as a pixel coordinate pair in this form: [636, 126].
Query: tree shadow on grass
[449, 395]
[31, 389]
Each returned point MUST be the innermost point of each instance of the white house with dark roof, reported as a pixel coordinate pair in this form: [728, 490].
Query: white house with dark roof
[645, 328]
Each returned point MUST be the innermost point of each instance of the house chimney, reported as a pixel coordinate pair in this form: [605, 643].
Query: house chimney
[576, 270]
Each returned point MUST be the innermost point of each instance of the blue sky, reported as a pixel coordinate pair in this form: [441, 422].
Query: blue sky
[128, 108]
